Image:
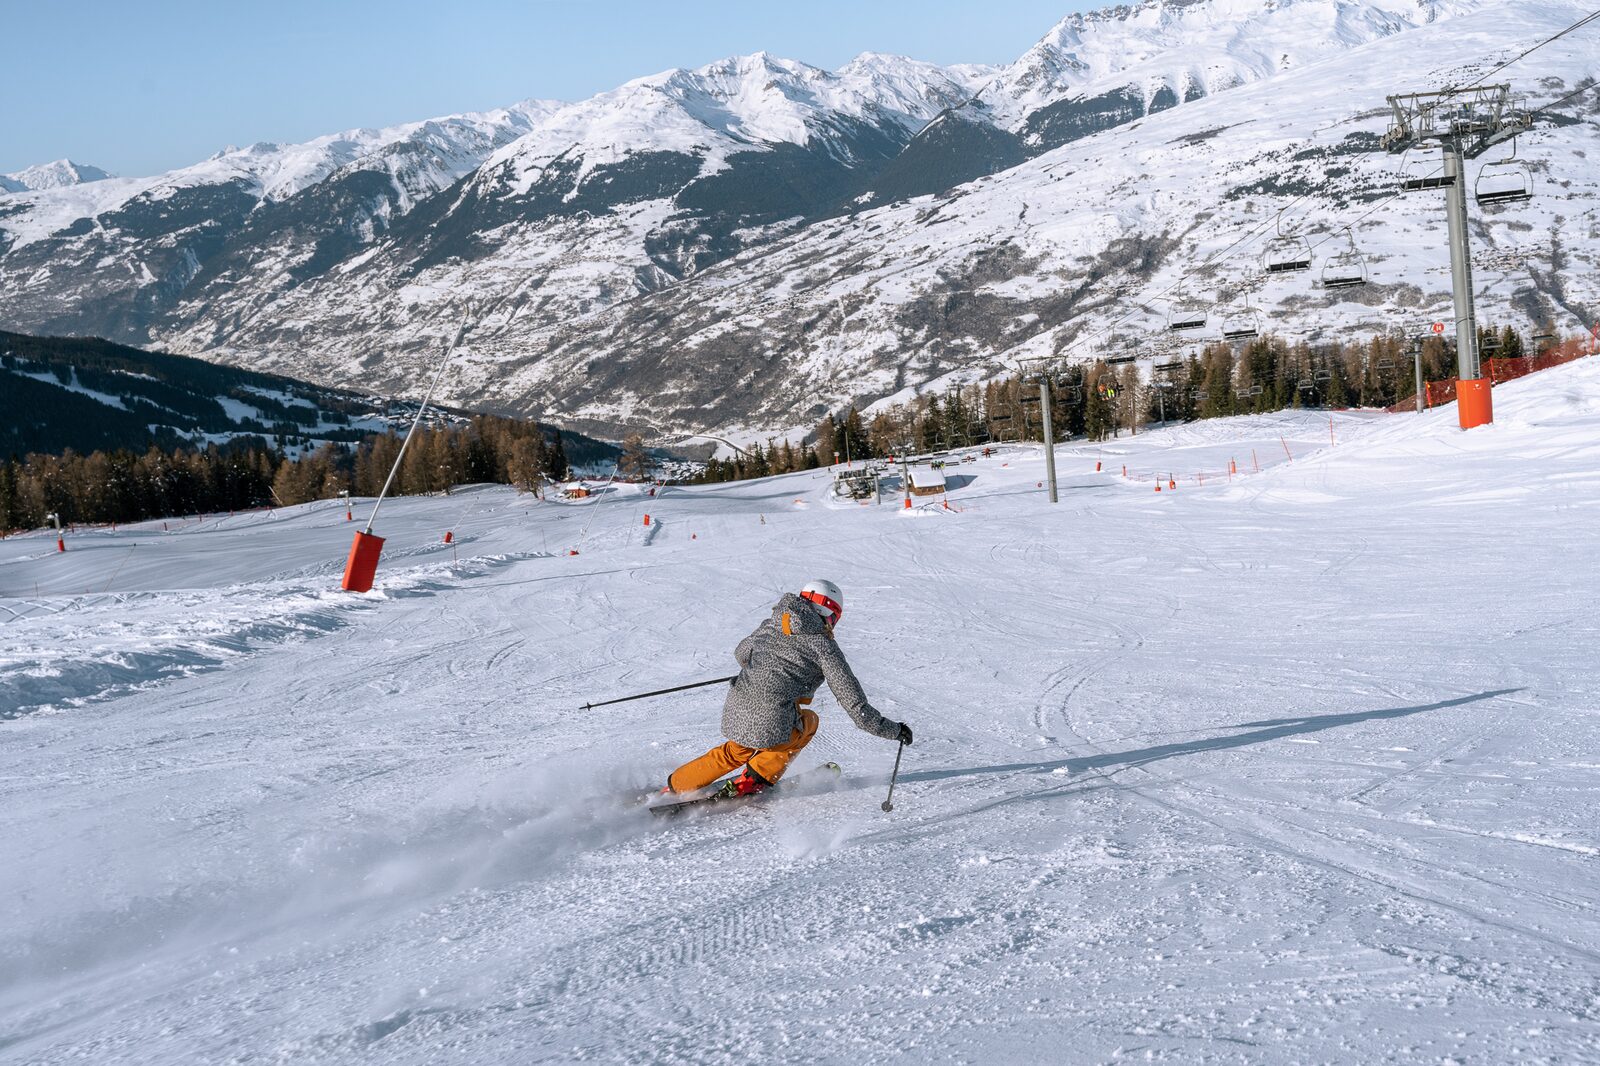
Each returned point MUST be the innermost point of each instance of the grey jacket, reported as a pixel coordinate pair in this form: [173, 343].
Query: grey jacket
[782, 664]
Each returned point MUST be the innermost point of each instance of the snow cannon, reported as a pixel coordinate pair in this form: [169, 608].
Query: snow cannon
[647, 520]
[362, 566]
[449, 536]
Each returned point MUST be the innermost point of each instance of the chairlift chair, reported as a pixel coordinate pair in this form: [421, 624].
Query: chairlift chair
[1347, 269]
[1423, 174]
[1243, 325]
[1305, 385]
[1255, 390]
[1201, 396]
[1286, 253]
[1503, 181]
[1186, 316]
[1385, 364]
[1323, 375]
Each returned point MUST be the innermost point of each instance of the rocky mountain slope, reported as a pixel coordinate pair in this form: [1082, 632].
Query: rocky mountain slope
[746, 245]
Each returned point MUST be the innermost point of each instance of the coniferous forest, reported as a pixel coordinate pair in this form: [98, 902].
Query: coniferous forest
[127, 486]
[1096, 401]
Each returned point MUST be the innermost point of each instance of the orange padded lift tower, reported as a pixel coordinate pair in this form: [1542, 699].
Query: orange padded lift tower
[1474, 403]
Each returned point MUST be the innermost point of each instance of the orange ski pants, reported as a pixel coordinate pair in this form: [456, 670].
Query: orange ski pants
[770, 763]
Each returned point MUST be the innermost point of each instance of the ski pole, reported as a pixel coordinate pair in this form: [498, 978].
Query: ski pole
[888, 804]
[660, 692]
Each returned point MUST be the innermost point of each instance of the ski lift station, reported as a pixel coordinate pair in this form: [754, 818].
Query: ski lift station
[857, 484]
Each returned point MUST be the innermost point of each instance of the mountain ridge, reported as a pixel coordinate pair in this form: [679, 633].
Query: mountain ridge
[624, 256]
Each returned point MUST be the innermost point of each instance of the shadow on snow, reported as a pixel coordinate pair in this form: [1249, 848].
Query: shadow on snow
[1261, 732]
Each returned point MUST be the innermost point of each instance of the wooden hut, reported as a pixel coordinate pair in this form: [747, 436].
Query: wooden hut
[927, 480]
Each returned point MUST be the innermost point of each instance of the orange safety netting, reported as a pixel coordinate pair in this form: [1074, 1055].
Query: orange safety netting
[1438, 393]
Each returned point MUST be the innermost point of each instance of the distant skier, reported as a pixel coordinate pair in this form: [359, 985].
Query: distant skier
[767, 717]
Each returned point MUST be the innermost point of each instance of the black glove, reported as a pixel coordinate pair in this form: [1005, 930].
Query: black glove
[905, 735]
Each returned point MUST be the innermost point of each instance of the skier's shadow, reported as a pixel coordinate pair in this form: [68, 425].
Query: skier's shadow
[1260, 732]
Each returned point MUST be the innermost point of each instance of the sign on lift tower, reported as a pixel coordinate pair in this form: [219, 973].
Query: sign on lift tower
[1464, 123]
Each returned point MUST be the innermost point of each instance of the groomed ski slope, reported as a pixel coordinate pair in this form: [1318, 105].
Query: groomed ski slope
[1297, 767]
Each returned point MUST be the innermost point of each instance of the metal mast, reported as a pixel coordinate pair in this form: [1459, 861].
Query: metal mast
[1464, 123]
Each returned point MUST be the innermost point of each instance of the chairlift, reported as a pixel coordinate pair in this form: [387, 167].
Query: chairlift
[1347, 269]
[1119, 360]
[1241, 393]
[1202, 396]
[1305, 385]
[999, 418]
[1504, 181]
[1186, 315]
[1255, 390]
[1242, 325]
[1323, 375]
[1167, 368]
[1423, 174]
[1385, 364]
[1286, 253]
[1489, 344]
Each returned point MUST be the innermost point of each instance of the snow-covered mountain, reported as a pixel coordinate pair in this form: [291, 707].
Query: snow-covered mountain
[61, 173]
[1159, 53]
[745, 245]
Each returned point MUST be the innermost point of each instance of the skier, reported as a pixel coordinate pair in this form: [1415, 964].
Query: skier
[767, 717]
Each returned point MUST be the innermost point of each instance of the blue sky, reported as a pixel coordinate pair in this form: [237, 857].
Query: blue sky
[138, 88]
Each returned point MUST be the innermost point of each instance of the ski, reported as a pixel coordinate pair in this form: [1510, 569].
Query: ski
[805, 780]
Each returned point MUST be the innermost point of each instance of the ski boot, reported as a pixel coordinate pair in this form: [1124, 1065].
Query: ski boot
[748, 783]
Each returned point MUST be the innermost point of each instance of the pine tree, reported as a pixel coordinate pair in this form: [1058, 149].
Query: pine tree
[853, 441]
[556, 459]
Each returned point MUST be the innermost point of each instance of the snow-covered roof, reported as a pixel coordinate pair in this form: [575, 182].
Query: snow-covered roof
[927, 477]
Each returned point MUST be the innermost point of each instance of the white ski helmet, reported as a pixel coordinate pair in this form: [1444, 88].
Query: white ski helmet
[825, 597]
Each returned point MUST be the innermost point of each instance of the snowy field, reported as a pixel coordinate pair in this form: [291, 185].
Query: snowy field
[1298, 766]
